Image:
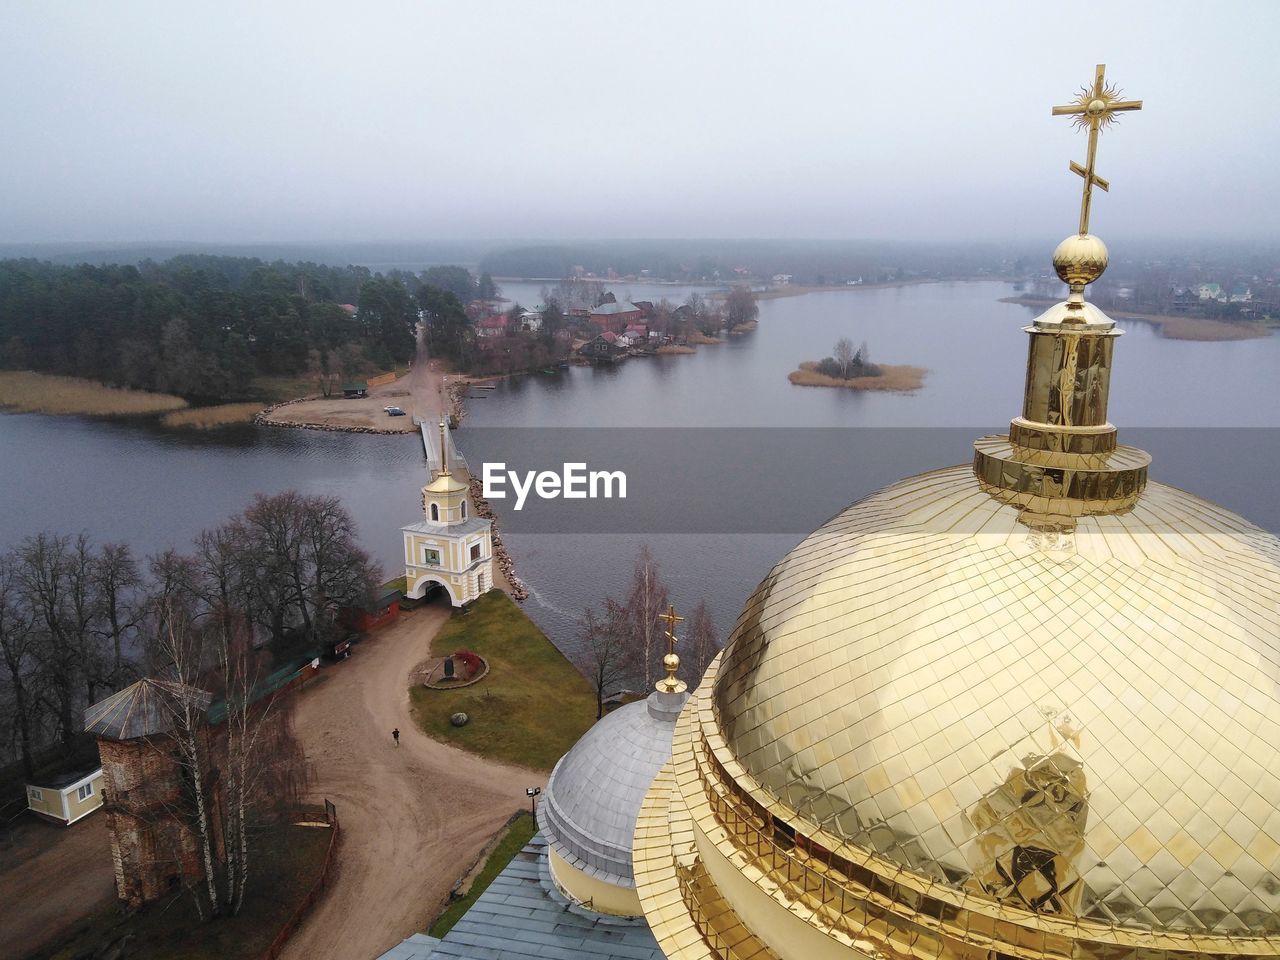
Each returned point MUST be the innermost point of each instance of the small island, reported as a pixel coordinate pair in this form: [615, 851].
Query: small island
[852, 370]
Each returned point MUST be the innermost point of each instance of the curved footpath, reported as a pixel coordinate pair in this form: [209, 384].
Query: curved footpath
[413, 817]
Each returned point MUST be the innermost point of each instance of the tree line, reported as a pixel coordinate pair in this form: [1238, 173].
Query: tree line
[626, 641]
[80, 621]
[204, 327]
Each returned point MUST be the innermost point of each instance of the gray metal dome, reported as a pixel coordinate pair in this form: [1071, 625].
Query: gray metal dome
[589, 808]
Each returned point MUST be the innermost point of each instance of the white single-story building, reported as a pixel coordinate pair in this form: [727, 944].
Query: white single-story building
[66, 798]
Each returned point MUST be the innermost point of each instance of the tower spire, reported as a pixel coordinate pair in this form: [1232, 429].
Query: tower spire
[444, 449]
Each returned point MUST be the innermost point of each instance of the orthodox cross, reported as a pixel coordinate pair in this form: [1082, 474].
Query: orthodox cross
[671, 663]
[1095, 107]
[671, 619]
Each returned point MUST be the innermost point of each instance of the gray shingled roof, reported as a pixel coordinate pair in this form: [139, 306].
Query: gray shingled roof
[521, 916]
[589, 808]
[141, 709]
[614, 308]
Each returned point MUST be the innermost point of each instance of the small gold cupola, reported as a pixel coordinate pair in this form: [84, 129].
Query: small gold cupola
[1060, 458]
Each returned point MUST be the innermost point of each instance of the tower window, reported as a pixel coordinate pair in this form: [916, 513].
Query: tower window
[435, 511]
[464, 509]
[475, 551]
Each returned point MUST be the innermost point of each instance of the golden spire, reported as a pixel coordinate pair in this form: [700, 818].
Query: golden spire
[671, 662]
[1095, 108]
[444, 449]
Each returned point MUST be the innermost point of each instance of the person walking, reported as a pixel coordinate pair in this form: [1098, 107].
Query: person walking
[395, 735]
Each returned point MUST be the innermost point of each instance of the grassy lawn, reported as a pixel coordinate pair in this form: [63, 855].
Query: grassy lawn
[529, 710]
[288, 865]
[519, 833]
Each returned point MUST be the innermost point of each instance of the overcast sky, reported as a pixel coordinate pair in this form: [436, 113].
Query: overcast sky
[347, 121]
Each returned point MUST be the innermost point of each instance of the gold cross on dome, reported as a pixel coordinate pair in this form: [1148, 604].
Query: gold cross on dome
[1095, 107]
[671, 619]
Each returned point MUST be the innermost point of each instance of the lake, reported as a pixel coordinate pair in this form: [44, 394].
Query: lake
[723, 432]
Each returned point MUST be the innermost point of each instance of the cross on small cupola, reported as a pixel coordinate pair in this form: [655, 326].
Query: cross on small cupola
[671, 662]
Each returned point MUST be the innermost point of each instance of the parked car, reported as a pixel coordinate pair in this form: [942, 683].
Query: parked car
[395, 412]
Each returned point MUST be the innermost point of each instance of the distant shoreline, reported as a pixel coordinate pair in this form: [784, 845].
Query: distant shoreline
[1173, 326]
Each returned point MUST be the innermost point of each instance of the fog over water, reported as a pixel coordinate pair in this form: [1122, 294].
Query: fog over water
[243, 121]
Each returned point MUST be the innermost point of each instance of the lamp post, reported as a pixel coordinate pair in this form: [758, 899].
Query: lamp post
[532, 794]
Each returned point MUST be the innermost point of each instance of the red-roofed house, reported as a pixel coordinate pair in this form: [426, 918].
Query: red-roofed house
[492, 326]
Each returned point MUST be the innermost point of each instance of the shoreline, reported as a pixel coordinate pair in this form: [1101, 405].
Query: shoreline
[1173, 326]
[780, 293]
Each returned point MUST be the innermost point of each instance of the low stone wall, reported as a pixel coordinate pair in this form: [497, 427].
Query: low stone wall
[500, 556]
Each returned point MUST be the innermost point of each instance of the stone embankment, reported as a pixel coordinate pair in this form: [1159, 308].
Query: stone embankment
[500, 556]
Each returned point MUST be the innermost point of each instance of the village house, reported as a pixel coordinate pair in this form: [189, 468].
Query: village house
[634, 335]
[1210, 291]
[605, 347]
[494, 325]
[1241, 294]
[1182, 299]
[67, 797]
[530, 321]
[615, 317]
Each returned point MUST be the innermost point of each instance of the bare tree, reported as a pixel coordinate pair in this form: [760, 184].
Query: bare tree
[116, 580]
[844, 354]
[240, 756]
[54, 576]
[647, 599]
[740, 307]
[603, 653]
[180, 643]
[300, 556]
[17, 641]
[702, 643]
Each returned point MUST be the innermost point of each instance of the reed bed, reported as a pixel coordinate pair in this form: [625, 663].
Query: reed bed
[28, 392]
[210, 418]
[893, 378]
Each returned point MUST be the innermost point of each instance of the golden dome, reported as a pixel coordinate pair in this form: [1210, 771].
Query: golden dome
[1080, 259]
[1025, 708]
[1082, 723]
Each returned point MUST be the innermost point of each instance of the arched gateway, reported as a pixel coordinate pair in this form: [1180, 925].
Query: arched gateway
[450, 547]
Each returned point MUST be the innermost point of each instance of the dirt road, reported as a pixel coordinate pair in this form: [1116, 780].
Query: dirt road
[413, 817]
[51, 878]
[417, 393]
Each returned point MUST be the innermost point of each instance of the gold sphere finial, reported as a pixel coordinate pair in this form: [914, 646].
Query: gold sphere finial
[671, 662]
[1080, 259]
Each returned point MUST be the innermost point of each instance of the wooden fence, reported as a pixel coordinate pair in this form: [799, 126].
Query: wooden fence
[290, 928]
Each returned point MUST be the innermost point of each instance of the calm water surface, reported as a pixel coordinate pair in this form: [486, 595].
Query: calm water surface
[153, 488]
